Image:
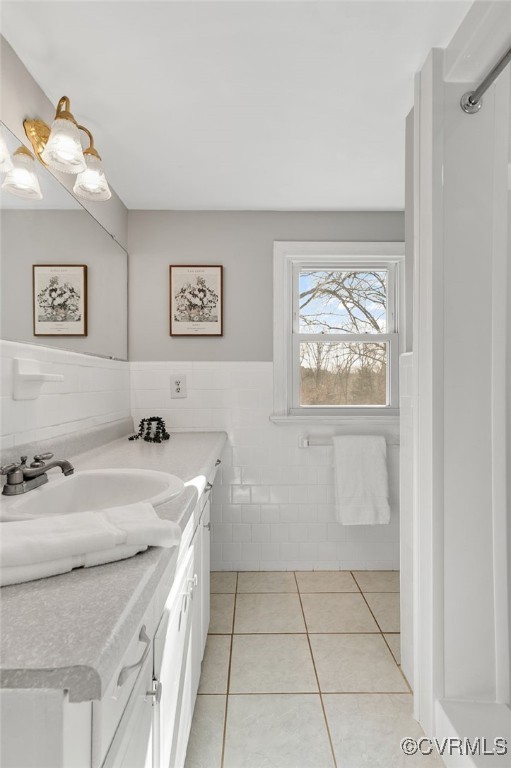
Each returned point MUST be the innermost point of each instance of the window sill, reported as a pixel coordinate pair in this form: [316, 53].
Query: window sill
[388, 419]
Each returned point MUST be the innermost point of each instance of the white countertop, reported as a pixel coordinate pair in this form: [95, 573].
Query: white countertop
[68, 632]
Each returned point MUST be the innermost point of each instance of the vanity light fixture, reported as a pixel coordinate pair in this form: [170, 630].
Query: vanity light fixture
[5, 155]
[63, 149]
[91, 183]
[22, 180]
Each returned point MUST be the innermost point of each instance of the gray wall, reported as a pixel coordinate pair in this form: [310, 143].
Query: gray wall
[243, 243]
[64, 237]
[21, 98]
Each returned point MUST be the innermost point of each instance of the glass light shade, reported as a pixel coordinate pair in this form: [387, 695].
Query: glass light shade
[5, 155]
[91, 184]
[63, 150]
[21, 179]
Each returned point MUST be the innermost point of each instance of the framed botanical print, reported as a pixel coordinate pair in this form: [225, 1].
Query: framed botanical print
[60, 299]
[196, 300]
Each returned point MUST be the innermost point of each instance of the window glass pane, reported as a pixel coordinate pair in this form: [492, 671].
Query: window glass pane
[343, 301]
[341, 373]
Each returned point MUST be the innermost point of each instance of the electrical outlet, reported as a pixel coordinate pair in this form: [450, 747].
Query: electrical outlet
[178, 386]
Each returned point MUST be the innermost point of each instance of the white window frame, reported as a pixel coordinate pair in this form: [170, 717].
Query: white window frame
[289, 258]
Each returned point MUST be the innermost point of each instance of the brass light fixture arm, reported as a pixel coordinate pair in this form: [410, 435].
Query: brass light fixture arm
[91, 150]
[62, 112]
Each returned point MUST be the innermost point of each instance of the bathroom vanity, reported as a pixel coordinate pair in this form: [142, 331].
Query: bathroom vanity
[101, 666]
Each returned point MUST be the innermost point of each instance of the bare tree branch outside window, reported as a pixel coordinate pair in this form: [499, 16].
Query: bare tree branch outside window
[343, 302]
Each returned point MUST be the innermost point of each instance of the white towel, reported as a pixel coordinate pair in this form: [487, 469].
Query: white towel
[46, 546]
[361, 480]
[17, 574]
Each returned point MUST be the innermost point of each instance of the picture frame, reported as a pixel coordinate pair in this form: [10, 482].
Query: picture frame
[59, 299]
[196, 300]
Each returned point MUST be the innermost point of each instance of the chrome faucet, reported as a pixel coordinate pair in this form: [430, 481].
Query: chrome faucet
[21, 478]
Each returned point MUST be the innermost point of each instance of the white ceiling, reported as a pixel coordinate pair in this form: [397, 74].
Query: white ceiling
[239, 105]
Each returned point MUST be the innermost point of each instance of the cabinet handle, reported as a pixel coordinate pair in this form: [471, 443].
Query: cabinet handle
[126, 671]
[207, 526]
[193, 583]
[217, 462]
[208, 487]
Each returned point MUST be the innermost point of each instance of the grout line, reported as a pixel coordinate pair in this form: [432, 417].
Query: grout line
[317, 679]
[229, 674]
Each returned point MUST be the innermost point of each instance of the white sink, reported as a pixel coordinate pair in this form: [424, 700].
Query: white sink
[93, 490]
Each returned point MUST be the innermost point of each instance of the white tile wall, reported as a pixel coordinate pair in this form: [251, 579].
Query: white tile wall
[94, 391]
[273, 503]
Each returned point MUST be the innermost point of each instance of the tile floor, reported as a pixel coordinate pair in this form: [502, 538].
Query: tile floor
[301, 670]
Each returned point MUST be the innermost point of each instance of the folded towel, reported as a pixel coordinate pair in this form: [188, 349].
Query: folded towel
[361, 479]
[17, 574]
[90, 537]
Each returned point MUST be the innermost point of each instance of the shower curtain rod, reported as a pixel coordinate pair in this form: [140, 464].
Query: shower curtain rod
[472, 100]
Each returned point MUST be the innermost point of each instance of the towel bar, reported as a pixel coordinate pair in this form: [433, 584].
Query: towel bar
[304, 441]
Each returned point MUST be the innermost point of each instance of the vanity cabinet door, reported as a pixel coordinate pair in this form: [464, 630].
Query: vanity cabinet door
[196, 633]
[172, 643]
[132, 745]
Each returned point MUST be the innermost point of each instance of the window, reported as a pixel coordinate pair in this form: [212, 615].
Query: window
[336, 329]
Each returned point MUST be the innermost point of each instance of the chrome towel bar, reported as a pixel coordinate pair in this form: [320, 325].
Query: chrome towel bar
[305, 441]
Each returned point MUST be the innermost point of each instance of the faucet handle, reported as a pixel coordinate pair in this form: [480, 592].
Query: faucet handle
[40, 459]
[7, 469]
[43, 457]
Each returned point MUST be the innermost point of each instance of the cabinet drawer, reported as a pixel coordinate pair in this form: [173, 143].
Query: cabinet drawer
[107, 713]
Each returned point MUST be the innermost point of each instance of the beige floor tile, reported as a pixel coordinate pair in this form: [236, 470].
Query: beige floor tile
[206, 736]
[326, 581]
[377, 581]
[223, 582]
[355, 663]
[222, 610]
[215, 664]
[337, 612]
[272, 664]
[266, 581]
[367, 731]
[268, 613]
[385, 606]
[277, 731]
[394, 642]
